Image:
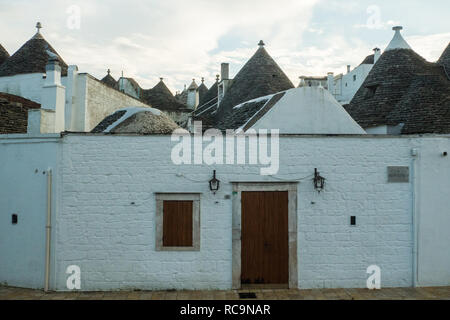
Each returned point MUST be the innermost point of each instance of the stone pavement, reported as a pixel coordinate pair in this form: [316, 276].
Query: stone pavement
[436, 293]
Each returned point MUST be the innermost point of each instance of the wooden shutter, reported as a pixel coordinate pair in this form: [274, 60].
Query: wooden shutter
[177, 223]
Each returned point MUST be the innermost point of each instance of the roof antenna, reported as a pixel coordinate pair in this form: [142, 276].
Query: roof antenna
[38, 27]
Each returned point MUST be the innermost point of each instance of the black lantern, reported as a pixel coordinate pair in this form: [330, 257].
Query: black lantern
[319, 182]
[214, 183]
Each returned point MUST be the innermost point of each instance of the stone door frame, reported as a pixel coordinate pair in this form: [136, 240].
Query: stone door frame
[238, 188]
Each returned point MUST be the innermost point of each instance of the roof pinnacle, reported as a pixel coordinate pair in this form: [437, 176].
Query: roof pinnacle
[39, 27]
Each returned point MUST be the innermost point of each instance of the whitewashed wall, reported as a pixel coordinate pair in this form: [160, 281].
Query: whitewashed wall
[28, 86]
[106, 224]
[90, 103]
[104, 219]
[102, 101]
[24, 163]
[346, 87]
[433, 213]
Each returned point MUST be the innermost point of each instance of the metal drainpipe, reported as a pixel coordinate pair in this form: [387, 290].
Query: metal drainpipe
[48, 229]
[415, 228]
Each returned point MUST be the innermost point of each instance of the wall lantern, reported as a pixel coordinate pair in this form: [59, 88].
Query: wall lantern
[214, 183]
[319, 182]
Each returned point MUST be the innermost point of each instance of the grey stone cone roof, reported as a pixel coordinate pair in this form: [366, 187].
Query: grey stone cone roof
[150, 121]
[444, 60]
[14, 113]
[402, 87]
[182, 97]
[206, 110]
[259, 77]
[369, 59]
[212, 93]
[31, 58]
[202, 91]
[110, 81]
[4, 55]
[161, 98]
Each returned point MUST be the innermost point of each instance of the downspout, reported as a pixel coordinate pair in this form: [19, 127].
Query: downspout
[48, 229]
[415, 154]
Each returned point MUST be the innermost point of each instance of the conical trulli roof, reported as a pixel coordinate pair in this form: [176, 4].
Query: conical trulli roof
[386, 84]
[31, 58]
[202, 91]
[110, 81]
[211, 94]
[161, 98]
[260, 76]
[4, 55]
[393, 94]
[444, 60]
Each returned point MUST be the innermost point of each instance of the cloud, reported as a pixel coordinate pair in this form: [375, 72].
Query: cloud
[431, 46]
[181, 40]
[150, 39]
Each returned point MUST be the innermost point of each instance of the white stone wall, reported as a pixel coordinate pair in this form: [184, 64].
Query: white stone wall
[102, 101]
[346, 87]
[28, 86]
[104, 211]
[106, 221]
[24, 162]
[433, 213]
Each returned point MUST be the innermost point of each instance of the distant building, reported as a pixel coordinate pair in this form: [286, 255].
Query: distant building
[70, 100]
[130, 87]
[344, 86]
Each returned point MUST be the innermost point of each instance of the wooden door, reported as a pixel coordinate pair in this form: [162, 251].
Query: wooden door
[264, 238]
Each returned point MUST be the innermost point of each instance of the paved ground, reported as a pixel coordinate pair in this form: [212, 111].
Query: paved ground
[9, 293]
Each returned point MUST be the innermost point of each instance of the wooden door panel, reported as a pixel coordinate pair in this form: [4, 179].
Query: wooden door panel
[265, 243]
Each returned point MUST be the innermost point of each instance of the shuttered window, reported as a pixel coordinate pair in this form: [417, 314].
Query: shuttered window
[177, 223]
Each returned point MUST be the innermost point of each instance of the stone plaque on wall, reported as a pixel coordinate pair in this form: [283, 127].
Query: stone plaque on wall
[398, 174]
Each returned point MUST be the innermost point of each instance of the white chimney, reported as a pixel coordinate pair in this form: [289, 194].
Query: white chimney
[330, 82]
[376, 55]
[71, 108]
[225, 71]
[193, 97]
[54, 95]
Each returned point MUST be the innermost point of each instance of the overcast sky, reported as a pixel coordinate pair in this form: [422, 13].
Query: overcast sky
[180, 40]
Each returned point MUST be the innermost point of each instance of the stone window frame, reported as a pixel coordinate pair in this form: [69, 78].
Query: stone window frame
[159, 219]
